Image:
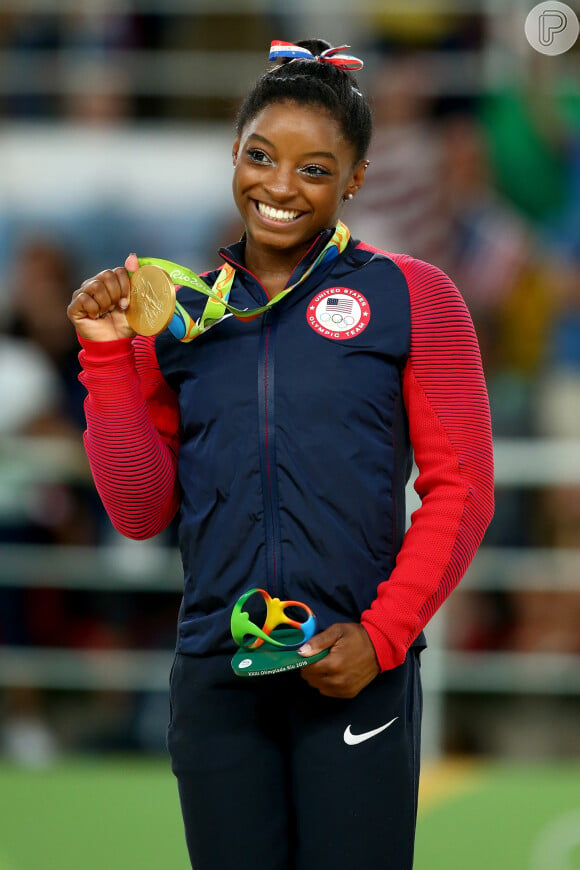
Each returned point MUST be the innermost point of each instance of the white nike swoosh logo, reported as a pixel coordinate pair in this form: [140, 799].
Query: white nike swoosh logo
[353, 739]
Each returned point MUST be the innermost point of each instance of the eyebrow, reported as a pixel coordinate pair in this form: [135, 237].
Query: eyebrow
[328, 154]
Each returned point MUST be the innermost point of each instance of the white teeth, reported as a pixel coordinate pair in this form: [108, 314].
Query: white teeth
[276, 214]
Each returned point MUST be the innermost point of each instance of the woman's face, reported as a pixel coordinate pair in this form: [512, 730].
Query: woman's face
[292, 170]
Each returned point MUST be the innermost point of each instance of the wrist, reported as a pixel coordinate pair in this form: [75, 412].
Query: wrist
[384, 652]
[102, 351]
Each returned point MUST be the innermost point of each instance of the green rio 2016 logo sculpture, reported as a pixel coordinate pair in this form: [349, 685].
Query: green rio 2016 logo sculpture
[273, 647]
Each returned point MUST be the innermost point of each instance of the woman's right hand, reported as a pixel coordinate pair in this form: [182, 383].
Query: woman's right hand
[97, 308]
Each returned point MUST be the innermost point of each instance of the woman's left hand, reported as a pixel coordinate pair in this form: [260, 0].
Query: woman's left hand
[350, 665]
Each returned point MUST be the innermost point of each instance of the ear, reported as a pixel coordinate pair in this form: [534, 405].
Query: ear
[235, 151]
[358, 177]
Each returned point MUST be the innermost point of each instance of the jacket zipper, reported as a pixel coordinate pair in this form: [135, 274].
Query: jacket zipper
[267, 434]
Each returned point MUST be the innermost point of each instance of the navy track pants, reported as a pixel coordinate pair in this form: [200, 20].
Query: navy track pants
[272, 775]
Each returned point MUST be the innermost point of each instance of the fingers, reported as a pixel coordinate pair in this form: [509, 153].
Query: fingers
[132, 263]
[101, 294]
[350, 664]
[322, 640]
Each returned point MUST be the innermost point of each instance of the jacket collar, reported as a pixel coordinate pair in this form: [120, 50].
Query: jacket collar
[235, 254]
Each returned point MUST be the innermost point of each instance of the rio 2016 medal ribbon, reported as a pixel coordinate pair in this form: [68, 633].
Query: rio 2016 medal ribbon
[147, 312]
[152, 300]
[273, 648]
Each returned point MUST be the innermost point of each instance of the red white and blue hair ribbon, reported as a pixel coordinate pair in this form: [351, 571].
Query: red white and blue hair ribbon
[279, 49]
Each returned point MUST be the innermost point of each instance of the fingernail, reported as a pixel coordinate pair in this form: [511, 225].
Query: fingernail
[305, 650]
[123, 303]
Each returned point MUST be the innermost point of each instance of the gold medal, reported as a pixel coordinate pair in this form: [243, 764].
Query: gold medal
[152, 300]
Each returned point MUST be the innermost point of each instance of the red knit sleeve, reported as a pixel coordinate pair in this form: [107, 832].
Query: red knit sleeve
[132, 435]
[450, 430]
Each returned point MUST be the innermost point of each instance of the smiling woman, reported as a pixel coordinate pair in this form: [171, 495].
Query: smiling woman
[290, 184]
[284, 437]
[303, 134]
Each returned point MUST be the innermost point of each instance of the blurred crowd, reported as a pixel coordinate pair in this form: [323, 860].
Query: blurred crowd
[484, 184]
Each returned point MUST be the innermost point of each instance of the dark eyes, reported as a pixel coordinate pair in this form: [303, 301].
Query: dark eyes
[256, 155]
[312, 170]
[315, 171]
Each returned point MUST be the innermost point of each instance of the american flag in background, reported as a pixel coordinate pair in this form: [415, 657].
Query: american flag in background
[340, 304]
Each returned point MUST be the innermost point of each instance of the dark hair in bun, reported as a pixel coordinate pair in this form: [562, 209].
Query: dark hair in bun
[311, 83]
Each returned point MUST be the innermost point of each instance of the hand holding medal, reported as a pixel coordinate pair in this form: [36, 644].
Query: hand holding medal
[144, 294]
[97, 308]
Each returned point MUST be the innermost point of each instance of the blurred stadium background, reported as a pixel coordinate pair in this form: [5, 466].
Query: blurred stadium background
[115, 136]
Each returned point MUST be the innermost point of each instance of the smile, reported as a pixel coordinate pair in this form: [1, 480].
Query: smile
[277, 214]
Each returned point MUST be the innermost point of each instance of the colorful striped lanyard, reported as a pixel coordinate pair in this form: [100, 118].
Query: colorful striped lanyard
[185, 328]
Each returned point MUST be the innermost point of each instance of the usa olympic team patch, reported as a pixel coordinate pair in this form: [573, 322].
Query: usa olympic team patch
[338, 313]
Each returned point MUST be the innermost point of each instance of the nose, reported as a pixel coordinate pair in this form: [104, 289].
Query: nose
[280, 183]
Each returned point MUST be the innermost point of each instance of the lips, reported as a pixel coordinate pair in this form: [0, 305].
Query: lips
[279, 215]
